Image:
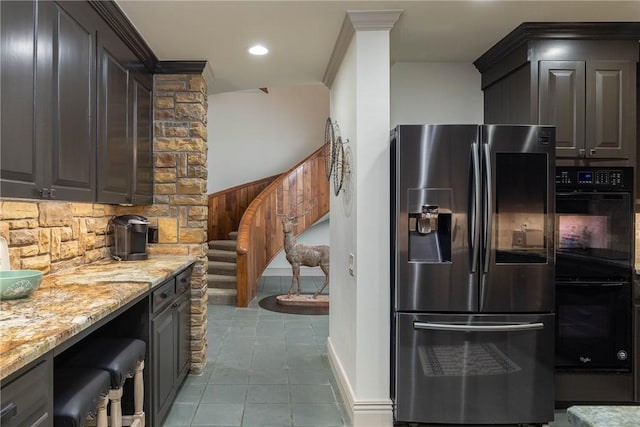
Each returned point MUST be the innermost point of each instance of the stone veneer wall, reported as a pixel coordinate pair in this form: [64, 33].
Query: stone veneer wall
[180, 191]
[51, 236]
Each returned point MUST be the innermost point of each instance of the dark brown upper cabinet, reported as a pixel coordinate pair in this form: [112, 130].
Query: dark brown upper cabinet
[580, 77]
[142, 116]
[125, 158]
[76, 106]
[48, 85]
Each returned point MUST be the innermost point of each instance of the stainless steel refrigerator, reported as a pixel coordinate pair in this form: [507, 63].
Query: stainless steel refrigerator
[472, 273]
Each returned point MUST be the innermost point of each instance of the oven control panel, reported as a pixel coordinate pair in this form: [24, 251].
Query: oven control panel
[587, 178]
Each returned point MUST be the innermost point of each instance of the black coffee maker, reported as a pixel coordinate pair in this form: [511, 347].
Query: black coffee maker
[128, 235]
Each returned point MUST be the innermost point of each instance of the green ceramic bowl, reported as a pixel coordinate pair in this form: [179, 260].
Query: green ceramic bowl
[18, 283]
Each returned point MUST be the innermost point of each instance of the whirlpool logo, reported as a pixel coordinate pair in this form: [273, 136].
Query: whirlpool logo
[585, 359]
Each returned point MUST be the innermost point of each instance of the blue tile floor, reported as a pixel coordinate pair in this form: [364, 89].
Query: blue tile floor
[263, 369]
[266, 369]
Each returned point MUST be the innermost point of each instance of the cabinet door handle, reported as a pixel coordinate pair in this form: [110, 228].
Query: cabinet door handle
[582, 152]
[592, 152]
[183, 280]
[175, 304]
[164, 295]
[8, 411]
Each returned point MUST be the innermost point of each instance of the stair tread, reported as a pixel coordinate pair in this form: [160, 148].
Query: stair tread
[233, 235]
[223, 263]
[222, 255]
[222, 267]
[221, 291]
[222, 296]
[222, 277]
[229, 245]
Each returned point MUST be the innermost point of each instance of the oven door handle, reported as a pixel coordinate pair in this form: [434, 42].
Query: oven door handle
[590, 284]
[478, 328]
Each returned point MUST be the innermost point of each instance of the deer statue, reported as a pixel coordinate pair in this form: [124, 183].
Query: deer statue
[303, 255]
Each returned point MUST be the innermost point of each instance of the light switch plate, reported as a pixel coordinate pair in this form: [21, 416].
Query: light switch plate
[351, 264]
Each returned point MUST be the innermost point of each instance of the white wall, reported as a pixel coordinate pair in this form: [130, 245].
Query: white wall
[252, 135]
[342, 305]
[435, 93]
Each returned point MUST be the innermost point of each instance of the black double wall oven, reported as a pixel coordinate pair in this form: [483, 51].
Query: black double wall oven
[594, 229]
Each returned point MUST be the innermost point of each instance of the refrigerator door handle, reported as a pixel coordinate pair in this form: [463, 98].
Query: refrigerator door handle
[475, 205]
[456, 327]
[488, 205]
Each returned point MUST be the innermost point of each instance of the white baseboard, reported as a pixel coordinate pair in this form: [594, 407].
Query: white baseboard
[363, 413]
[286, 271]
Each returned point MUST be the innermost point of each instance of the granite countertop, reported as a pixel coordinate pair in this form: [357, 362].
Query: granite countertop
[604, 416]
[68, 302]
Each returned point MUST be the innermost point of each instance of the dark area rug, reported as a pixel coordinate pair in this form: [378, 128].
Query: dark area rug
[270, 303]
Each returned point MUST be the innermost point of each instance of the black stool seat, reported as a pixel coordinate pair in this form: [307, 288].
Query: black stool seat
[76, 394]
[118, 356]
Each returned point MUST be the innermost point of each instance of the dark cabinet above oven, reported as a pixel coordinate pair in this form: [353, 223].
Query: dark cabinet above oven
[580, 77]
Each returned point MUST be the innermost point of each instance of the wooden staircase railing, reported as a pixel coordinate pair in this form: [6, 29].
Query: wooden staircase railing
[226, 207]
[260, 236]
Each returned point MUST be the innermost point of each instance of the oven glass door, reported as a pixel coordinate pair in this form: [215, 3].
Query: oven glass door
[593, 236]
[593, 326]
[474, 369]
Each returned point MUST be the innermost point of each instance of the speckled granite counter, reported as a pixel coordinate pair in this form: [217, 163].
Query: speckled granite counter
[69, 302]
[604, 416]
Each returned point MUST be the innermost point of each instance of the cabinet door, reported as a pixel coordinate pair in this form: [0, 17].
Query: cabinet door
[164, 361]
[115, 151]
[561, 101]
[142, 185]
[610, 101]
[69, 128]
[28, 399]
[183, 340]
[19, 172]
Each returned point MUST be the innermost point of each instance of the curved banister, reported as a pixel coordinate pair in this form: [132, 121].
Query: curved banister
[260, 237]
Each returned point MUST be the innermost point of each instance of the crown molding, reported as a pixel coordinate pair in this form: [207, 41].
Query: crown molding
[557, 30]
[180, 67]
[357, 20]
[374, 20]
[120, 24]
[339, 50]
[208, 74]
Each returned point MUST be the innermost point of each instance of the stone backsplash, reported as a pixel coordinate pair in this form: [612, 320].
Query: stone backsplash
[53, 235]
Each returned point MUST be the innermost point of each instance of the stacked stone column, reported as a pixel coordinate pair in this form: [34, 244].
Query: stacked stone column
[180, 200]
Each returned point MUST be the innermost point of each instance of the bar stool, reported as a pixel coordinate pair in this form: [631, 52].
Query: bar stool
[122, 358]
[80, 393]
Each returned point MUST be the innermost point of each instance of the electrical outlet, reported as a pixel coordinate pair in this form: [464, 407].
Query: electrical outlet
[351, 263]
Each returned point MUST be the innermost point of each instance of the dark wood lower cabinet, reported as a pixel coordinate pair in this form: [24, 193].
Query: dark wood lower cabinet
[636, 334]
[27, 400]
[170, 345]
[164, 361]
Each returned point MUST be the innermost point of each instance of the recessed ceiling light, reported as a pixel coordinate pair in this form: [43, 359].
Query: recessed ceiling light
[258, 50]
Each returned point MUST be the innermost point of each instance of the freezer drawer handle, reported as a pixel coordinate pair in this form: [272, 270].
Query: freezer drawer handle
[478, 328]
